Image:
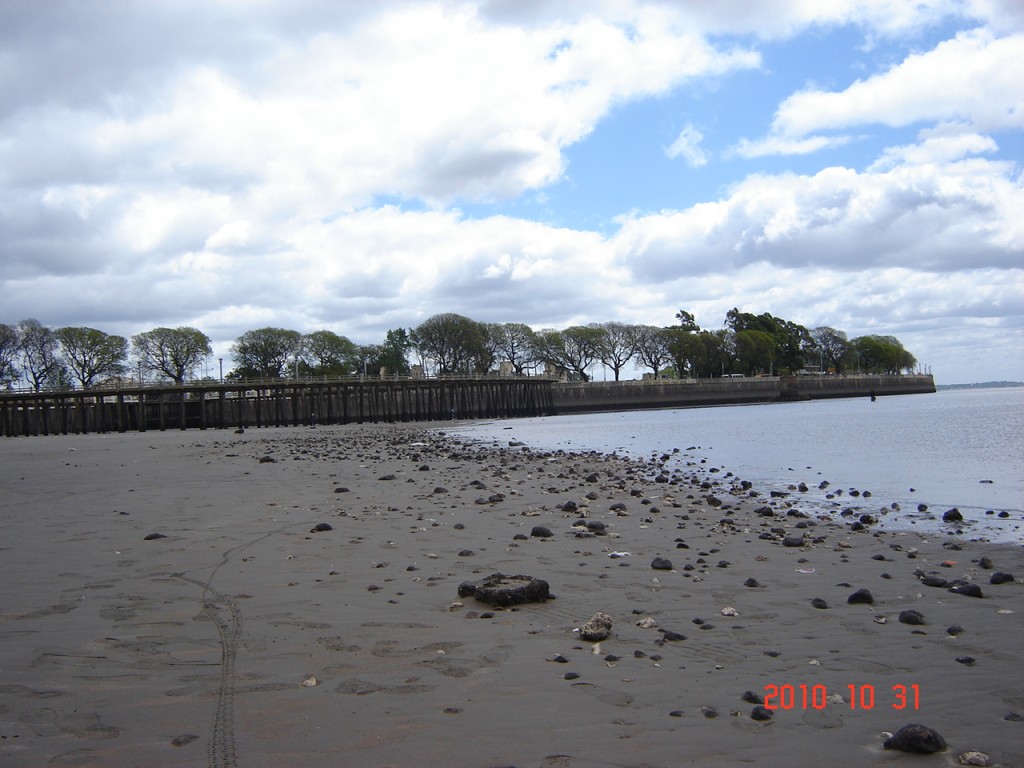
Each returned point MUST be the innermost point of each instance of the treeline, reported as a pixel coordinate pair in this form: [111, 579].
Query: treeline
[446, 344]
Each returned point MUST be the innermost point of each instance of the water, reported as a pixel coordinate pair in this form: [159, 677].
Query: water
[956, 448]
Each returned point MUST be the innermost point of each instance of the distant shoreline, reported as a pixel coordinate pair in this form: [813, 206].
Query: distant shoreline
[982, 385]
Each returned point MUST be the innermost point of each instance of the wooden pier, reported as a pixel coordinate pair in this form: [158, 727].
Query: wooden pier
[277, 403]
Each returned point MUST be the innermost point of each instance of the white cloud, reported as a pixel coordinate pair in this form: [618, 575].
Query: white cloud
[779, 145]
[972, 78]
[687, 146]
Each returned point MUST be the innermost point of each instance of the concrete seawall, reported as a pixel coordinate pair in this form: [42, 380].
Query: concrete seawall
[666, 393]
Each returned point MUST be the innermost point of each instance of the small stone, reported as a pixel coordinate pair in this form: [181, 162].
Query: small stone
[709, 712]
[598, 628]
[676, 713]
[952, 516]
[819, 603]
[310, 682]
[761, 713]
[793, 541]
[321, 527]
[974, 758]
[541, 532]
[267, 460]
[934, 581]
[661, 564]
[861, 596]
[154, 536]
[571, 675]
[752, 698]
[954, 630]
[752, 583]
[985, 563]
[999, 577]
[671, 636]
[967, 661]
[916, 738]
[911, 617]
[341, 489]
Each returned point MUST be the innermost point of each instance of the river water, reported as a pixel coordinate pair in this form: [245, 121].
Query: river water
[955, 448]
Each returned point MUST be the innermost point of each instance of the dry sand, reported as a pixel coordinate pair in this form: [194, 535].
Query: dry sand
[192, 649]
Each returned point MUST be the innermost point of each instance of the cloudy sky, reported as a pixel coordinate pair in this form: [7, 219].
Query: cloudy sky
[360, 166]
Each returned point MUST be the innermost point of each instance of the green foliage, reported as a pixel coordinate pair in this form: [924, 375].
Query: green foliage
[8, 354]
[792, 341]
[454, 344]
[881, 354]
[266, 352]
[171, 352]
[90, 354]
[325, 353]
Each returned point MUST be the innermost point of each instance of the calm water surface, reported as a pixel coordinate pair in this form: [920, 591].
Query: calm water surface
[956, 448]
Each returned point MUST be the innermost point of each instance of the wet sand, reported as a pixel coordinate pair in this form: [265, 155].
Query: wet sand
[192, 648]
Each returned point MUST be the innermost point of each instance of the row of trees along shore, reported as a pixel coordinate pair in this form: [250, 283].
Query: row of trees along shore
[38, 357]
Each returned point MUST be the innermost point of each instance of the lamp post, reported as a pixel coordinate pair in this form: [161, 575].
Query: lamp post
[221, 361]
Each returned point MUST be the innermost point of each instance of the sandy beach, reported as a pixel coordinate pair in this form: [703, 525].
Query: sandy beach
[288, 597]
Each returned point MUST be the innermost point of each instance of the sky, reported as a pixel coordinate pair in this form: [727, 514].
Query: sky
[361, 166]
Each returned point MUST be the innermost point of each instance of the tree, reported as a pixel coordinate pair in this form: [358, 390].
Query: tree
[328, 354]
[171, 352]
[882, 354]
[515, 344]
[8, 354]
[683, 347]
[90, 354]
[791, 340]
[651, 344]
[394, 354]
[832, 346]
[40, 358]
[617, 345]
[686, 321]
[575, 349]
[755, 352]
[453, 342]
[266, 352]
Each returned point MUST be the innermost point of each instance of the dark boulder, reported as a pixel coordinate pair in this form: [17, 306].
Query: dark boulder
[500, 590]
[1000, 578]
[661, 564]
[969, 590]
[911, 617]
[541, 532]
[934, 581]
[952, 516]
[919, 739]
[321, 527]
[861, 596]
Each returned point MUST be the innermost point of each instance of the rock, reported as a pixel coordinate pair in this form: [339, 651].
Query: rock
[541, 532]
[954, 629]
[500, 590]
[388, 476]
[819, 603]
[861, 596]
[672, 637]
[321, 527]
[597, 528]
[969, 590]
[267, 460]
[1000, 578]
[752, 583]
[952, 516]
[752, 698]
[598, 628]
[709, 712]
[916, 738]
[661, 564]
[911, 617]
[934, 581]
[761, 713]
[341, 489]
[793, 541]
[153, 536]
[569, 506]
[974, 758]
[967, 661]
[985, 563]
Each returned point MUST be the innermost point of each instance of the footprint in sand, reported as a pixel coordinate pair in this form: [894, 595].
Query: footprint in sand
[606, 695]
[356, 687]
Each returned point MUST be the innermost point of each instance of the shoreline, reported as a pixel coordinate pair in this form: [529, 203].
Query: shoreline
[192, 649]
